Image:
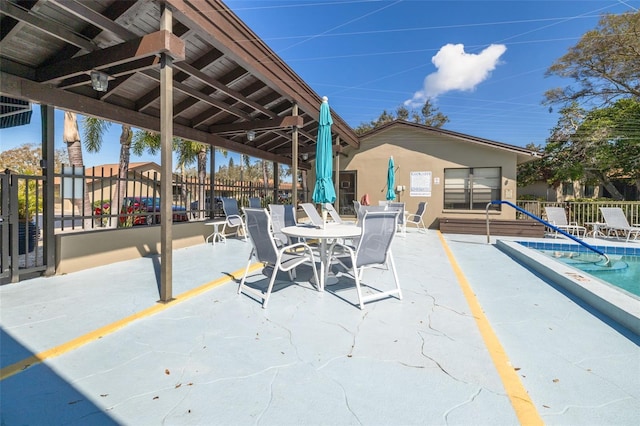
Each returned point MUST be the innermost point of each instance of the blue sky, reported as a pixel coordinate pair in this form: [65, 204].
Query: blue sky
[483, 62]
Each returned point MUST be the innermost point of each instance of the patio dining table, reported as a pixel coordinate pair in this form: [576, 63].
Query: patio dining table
[329, 232]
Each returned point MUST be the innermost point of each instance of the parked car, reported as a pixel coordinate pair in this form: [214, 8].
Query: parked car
[143, 211]
[207, 205]
[153, 205]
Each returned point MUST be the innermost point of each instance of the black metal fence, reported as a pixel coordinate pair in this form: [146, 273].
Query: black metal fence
[21, 240]
[99, 198]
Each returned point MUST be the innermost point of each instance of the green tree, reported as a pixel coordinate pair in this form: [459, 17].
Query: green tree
[604, 65]
[535, 170]
[431, 116]
[596, 146]
[428, 115]
[188, 153]
[610, 140]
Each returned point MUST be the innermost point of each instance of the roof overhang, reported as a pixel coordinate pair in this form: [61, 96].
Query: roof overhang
[14, 112]
[226, 81]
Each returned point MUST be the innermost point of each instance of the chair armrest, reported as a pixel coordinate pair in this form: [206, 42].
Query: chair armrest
[294, 246]
[232, 216]
[343, 246]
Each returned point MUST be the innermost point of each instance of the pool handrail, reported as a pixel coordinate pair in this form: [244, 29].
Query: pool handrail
[545, 223]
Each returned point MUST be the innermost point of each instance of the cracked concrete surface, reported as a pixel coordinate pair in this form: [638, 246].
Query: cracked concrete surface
[313, 358]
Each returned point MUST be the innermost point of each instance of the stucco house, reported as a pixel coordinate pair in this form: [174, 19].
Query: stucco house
[456, 174]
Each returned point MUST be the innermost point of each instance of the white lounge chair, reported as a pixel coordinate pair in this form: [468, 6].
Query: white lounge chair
[617, 222]
[312, 214]
[333, 212]
[558, 218]
[275, 258]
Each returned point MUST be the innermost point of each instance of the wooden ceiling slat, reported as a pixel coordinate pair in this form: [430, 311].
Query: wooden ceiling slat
[49, 27]
[221, 86]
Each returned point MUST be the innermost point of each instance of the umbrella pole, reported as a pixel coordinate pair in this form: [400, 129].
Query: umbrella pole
[324, 216]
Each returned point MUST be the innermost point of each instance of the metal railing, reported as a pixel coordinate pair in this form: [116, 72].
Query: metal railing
[581, 212]
[191, 198]
[545, 223]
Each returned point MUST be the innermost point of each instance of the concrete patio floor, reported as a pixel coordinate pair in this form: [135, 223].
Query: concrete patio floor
[476, 340]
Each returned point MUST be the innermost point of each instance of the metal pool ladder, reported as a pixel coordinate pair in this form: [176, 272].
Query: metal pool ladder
[534, 217]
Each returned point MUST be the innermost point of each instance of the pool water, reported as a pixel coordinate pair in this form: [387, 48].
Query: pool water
[623, 273]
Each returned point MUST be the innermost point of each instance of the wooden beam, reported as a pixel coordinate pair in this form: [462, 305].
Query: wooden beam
[11, 85]
[149, 45]
[275, 123]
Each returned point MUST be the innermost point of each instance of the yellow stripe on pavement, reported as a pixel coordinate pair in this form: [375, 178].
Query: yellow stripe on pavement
[525, 409]
[110, 328]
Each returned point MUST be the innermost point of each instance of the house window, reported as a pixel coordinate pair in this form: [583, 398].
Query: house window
[567, 189]
[471, 189]
[589, 191]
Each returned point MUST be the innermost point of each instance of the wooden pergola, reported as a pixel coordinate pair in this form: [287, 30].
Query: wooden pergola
[189, 69]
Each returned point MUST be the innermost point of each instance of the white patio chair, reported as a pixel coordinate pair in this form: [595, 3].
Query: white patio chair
[233, 217]
[282, 215]
[357, 207]
[416, 218]
[265, 250]
[255, 203]
[402, 225]
[617, 222]
[558, 218]
[373, 248]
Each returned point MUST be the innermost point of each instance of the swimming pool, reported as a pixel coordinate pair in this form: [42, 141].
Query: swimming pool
[620, 305]
[624, 271]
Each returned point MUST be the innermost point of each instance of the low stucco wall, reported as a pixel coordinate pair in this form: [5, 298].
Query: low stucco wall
[83, 250]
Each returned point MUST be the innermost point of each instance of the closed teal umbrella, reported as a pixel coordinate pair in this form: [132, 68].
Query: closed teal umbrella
[324, 192]
[391, 181]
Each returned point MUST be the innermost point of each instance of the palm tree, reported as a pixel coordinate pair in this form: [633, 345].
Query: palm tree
[190, 152]
[71, 136]
[94, 130]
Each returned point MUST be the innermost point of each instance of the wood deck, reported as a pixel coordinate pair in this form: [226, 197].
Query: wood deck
[514, 228]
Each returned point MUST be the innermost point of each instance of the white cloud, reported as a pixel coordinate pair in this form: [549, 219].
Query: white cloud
[457, 70]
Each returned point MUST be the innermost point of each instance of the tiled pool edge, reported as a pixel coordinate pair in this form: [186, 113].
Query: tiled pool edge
[617, 305]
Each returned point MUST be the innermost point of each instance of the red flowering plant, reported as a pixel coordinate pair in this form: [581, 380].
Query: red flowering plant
[133, 212]
[101, 212]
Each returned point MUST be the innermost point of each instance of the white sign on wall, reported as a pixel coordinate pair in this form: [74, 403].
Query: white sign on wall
[420, 184]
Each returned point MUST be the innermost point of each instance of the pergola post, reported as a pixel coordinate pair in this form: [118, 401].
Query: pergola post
[276, 181]
[337, 169]
[212, 189]
[294, 160]
[48, 154]
[166, 183]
